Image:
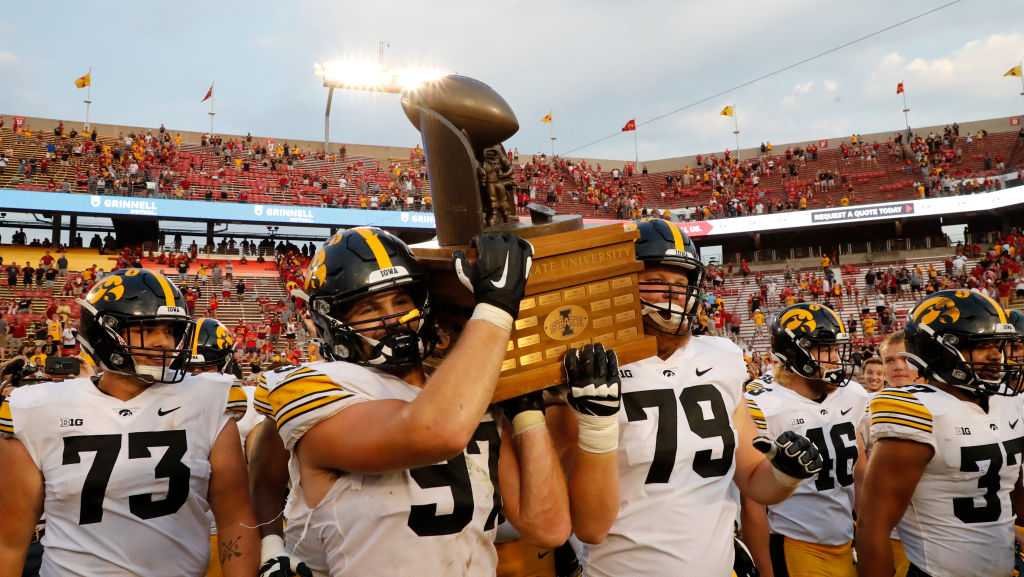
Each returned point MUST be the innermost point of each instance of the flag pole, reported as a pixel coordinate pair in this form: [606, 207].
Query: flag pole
[1021, 64]
[211, 112]
[551, 136]
[906, 111]
[736, 131]
[636, 150]
[88, 100]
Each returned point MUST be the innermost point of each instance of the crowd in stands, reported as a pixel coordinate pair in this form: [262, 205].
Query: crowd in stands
[722, 186]
[158, 163]
[871, 309]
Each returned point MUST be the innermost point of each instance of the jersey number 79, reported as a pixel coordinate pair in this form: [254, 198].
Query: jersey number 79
[666, 440]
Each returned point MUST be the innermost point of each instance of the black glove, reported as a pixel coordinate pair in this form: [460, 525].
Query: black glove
[592, 375]
[502, 267]
[529, 402]
[792, 454]
[281, 567]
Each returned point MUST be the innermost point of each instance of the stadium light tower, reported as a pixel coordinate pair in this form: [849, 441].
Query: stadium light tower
[368, 76]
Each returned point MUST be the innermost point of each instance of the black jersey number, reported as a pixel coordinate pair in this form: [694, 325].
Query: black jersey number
[964, 507]
[705, 427]
[839, 459]
[107, 447]
[454, 474]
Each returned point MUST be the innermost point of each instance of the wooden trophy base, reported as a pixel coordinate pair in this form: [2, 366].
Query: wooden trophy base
[582, 289]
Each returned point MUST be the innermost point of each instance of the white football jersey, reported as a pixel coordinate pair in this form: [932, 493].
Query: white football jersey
[821, 509]
[435, 520]
[123, 479]
[677, 443]
[959, 522]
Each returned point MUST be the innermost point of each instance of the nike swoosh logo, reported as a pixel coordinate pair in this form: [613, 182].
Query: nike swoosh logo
[1013, 425]
[543, 554]
[500, 283]
[846, 411]
[700, 373]
[161, 412]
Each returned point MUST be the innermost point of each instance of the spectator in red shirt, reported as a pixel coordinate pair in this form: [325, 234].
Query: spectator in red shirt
[212, 306]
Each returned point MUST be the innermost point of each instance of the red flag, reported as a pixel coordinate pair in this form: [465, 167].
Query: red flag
[899, 88]
[209, 94]
[630, 126]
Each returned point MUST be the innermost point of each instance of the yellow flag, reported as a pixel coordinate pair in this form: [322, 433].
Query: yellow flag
[727, 111]
[1015, 71]
[84, 80]
[546, 119]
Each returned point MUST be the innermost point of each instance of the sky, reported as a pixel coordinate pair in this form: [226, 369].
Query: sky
[594, 64]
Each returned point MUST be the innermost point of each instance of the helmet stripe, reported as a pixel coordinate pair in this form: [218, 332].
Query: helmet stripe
[677, 237]
[995, 305]
[166, 287]
[195, 337]
[376, 247]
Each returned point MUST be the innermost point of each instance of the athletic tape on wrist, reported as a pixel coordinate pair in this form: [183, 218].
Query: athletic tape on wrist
[493, 315]
[784, 479]
[271, 546]
[598, 434]
[527, 420]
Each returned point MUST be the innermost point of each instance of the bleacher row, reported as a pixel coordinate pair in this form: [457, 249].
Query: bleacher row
[885, 178]
[200, 172]
[208, 175]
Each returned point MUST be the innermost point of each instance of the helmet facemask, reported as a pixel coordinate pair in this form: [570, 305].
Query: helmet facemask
[168, 365]
[672, 307]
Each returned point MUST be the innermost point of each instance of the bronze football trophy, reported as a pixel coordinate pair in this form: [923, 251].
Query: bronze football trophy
[583, 287]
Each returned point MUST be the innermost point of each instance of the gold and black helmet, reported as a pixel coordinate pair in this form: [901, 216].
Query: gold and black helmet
[945, 332]
[672, 308]
[803, 335]
[139, 299]
[213, 347]
[359, 262]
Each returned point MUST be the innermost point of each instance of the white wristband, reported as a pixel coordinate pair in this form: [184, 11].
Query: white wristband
[493, 315]
[271, 547]
[598, 434]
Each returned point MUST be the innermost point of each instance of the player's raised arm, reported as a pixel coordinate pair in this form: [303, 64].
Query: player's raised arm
[385, 435]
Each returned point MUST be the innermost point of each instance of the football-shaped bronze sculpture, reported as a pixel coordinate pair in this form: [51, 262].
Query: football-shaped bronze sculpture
[468, 104]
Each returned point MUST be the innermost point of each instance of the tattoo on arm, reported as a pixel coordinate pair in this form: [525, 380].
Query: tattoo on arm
[230, 549]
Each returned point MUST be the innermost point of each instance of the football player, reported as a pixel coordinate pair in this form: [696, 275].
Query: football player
[390, 468]
[213, 350]
[684, 436]
[127, 464]
[809, 534]
[946, 454]
[898, 373]
[1016, 318]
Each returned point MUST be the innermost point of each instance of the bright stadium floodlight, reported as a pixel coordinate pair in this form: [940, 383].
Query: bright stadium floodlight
[370, 77]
